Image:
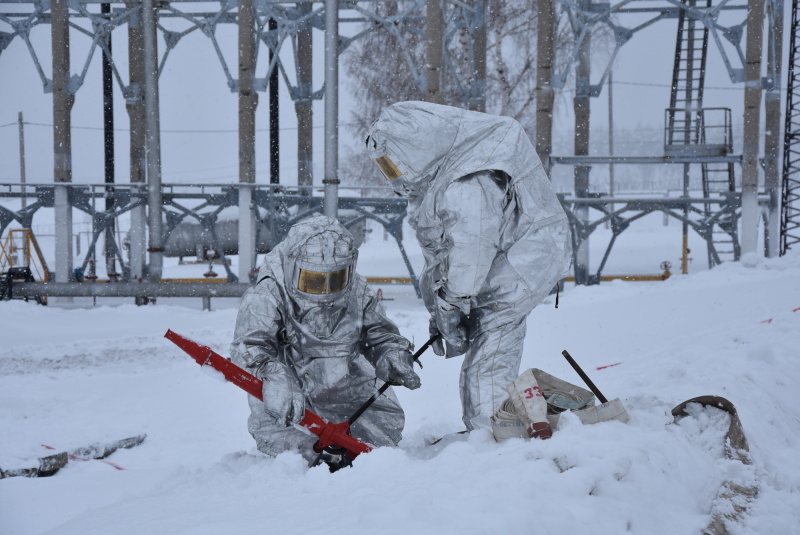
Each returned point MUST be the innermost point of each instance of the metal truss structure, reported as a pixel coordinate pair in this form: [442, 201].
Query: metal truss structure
[790, 203]
[291, 18]
[287, 21]
[624, 19]
[620, 212]
[275, 23]
[716, 212]
[280, 208]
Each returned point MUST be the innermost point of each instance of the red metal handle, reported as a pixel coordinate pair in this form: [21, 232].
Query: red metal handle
[205, 356]
[329, 434]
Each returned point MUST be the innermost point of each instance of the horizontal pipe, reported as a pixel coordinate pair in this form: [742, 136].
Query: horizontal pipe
[630, 278]
[663, 201]
[126, 289]
[167, 288]
[389, 280]
[585, 160]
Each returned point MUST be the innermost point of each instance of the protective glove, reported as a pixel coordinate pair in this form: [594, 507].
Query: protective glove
[450, 322]
[396, 367]
[335, 458]
[283, 396]
[438, 344]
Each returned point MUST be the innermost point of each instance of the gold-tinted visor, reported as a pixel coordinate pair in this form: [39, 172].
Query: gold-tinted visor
[338, 280]
[320, 283]
[387, 167]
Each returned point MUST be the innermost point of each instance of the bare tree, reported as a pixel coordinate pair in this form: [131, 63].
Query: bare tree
[386, 65]
[511, 59]
[378, 67]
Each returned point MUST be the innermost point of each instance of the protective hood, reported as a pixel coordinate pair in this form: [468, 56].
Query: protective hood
[434, 146]
[315, 263]
[427, 141]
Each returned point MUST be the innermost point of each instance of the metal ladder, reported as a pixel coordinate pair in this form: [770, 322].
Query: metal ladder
[719, 178]
[688, 77]
[686, 127]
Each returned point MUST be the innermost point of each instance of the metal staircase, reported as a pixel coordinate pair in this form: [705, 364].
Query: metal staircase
[719, 179]
[692, 130]
[688, 76]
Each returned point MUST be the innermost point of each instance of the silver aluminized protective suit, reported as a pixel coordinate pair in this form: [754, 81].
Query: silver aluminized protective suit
[325, 353]
[494, 236]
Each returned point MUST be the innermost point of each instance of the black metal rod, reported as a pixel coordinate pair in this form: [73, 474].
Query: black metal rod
[274, 118]
[585, 377]
[380, 391]
[108, 145]
[385, 386]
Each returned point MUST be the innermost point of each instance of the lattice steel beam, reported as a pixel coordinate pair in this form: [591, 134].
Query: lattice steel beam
[290, 20]
[584, 18]
[790, 192]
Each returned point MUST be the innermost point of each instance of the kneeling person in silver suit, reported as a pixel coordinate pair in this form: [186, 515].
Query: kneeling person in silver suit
[318, 337]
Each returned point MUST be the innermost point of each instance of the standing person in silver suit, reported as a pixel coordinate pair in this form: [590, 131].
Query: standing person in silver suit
[318, 337]
[494, 236]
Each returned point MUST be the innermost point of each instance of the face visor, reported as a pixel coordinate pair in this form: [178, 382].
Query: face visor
[400, 180]
[387, 167]
[322, 282]
[380, 155]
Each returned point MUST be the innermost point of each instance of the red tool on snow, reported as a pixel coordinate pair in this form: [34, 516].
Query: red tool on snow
[330, 434]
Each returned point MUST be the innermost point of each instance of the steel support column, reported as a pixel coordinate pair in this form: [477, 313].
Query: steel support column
[331, 180]
[63, 99]
[434, 31]
[478, 85]
[248, 101]
[153, 141]
[581, 105]
[545, 96]
[303, 102]
[752, 124]
[134, 103]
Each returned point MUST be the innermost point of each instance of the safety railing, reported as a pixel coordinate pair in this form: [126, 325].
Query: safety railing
[698, 132]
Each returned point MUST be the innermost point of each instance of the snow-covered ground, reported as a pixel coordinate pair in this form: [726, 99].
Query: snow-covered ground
[74, 375]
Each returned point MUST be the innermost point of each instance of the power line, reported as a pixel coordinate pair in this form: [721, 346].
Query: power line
[646, 84]
[620, 82]
[217, 131]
